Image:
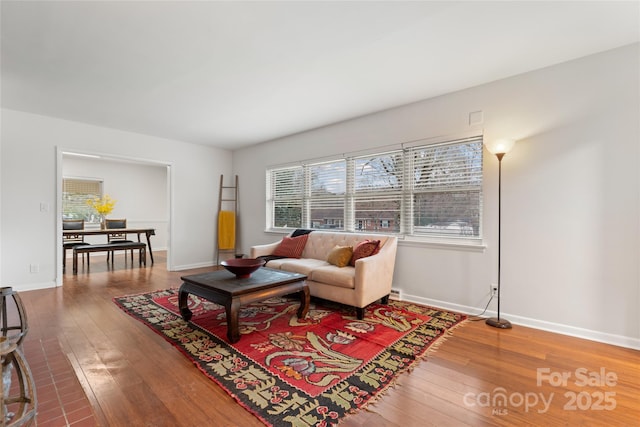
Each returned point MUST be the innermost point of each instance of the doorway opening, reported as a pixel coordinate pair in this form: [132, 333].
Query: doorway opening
[141, 189]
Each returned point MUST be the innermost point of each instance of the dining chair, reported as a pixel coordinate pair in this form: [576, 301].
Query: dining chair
[117, 237]
[71, 240]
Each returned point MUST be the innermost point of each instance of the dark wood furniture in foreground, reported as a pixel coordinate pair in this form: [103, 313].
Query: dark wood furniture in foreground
[96, 232]
[224, 288]
[109, 248]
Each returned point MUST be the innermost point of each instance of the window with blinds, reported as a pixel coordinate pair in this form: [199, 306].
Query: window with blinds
[285, 197]
[446, 193]
[377, 192]
[326, 200]
[422, 190]
[75, 193]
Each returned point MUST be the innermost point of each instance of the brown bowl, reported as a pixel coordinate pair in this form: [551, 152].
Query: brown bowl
[242, 267]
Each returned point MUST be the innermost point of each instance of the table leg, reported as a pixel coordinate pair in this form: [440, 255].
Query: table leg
[305, 299]
[183, 297]
[149, 245]
[75, 262]
[233, 327]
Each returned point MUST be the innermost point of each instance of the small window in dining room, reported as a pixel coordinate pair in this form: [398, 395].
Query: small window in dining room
[75, 193]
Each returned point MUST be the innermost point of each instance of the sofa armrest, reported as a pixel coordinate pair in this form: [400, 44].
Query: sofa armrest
[262, 250]
[374, 274]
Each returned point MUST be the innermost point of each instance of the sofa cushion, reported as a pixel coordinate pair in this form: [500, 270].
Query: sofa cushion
[340, 256]
[302, 266]
[344, 277]
[291, 247]
[276, 263]
[364, 249]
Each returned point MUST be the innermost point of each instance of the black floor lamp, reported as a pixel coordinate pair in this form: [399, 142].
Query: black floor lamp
[499, 148]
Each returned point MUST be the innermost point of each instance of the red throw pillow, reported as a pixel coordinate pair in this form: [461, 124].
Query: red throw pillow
[364, 249]
[291, 247]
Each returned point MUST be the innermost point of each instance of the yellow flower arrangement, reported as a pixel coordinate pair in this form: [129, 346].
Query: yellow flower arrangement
[104, 206]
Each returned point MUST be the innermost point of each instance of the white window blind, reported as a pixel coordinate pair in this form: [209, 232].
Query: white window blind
[326, 200]
[75, 193]
[285, 196]
[425, 190]
[377, 192]
[447, 188]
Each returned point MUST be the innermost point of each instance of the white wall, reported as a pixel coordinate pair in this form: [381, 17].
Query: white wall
[571, 194]
[28, 178]
[140, 191]
[571, 191]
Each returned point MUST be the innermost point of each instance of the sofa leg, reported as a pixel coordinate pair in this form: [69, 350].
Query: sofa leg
[360, 313]
[384, 299]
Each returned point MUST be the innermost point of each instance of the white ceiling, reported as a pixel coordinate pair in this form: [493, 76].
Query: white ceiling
[231, 74]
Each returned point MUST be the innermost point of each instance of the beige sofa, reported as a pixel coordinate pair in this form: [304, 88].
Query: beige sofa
[370, 280]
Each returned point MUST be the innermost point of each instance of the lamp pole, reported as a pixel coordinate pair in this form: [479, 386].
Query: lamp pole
[497, 322]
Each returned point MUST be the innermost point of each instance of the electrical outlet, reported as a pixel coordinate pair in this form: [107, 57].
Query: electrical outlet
[494, 290]
[395, 294]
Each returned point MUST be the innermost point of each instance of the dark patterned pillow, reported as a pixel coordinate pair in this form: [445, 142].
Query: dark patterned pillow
[300, 231]
[291, 247]
[364, 249]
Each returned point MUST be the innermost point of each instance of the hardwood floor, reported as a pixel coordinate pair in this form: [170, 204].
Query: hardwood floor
[133, 377]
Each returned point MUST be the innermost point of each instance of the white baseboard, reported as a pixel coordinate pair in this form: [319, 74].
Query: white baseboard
[191, 266]
[618, 340]
[34, 286]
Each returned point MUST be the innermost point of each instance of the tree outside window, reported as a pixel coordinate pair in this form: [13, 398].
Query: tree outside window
[423, 190]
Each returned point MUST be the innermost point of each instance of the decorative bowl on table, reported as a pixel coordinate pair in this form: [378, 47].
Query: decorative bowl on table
[242, 267]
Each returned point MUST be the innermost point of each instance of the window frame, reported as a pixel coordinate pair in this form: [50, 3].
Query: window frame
[458, 181]
[406, 229]
[90, 219]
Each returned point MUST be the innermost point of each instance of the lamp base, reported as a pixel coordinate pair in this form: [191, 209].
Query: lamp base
[498, 323]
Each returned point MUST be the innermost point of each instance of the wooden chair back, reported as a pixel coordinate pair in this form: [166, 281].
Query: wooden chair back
[115, 223]
[72, 224]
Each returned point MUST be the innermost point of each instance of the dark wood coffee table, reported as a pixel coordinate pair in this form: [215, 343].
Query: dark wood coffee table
[224, 288]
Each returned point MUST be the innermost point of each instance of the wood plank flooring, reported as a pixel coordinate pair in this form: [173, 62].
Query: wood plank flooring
[133, 377]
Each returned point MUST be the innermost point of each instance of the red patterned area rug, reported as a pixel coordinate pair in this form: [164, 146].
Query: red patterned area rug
[298, 372]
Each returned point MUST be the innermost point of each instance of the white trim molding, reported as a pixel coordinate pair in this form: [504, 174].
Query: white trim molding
[558, 328]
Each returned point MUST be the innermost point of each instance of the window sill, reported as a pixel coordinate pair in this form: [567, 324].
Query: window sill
[281, 232]
[471, 245]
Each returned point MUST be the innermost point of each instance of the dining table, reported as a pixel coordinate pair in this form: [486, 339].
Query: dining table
[148, 232]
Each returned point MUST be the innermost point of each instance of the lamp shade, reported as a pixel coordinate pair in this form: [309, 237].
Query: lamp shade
[500, 146]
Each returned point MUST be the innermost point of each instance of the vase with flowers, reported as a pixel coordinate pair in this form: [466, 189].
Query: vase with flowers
[103, 206]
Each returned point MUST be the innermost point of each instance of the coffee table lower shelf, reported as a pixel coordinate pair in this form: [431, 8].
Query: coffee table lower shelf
[225, 289]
